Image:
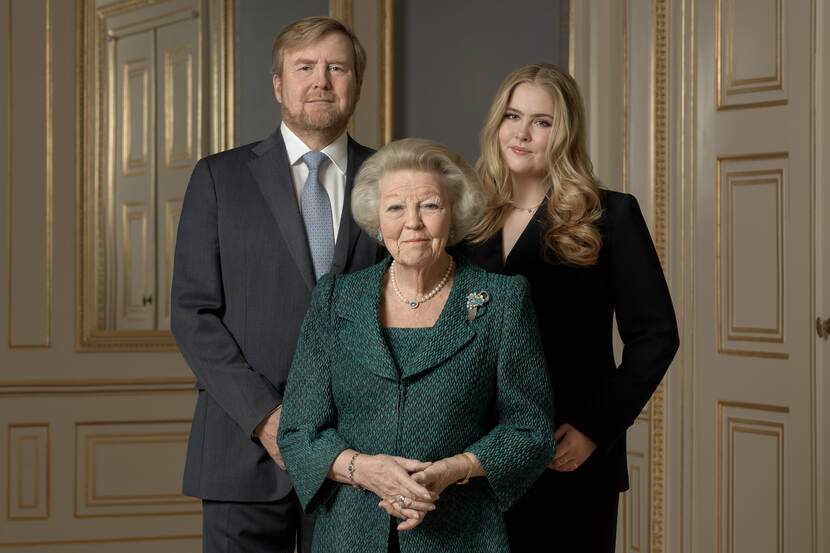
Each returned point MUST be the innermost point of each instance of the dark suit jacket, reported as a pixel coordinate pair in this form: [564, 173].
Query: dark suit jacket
[478, 386]
[575, 307]
[242, 282]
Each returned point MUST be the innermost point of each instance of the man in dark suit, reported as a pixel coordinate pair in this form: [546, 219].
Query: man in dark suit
[260, 224]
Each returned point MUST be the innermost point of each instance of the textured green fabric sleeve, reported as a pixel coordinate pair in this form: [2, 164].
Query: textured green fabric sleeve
[516, 451]
[307, 437]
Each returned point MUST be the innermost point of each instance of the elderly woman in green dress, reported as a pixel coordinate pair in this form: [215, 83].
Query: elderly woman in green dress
[418, 407]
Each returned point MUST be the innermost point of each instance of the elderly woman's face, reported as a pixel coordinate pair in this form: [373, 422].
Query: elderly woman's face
[415, 216]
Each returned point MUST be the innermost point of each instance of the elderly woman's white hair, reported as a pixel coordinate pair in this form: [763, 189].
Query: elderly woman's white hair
[462, 184]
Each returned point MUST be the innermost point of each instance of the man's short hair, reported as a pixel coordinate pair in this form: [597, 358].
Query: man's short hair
[305, 31]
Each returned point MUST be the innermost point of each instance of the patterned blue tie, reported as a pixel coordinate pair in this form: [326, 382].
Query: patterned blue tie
[317, 215]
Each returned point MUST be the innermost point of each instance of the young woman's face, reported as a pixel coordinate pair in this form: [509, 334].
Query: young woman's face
[525, 130]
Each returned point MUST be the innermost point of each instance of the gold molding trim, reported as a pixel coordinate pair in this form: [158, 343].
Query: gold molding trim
[92, 166]
[661, 164]
[625, 87]
[724, 53]
[730, 421]
[132, 212]
[814, 396]
[90, 494]
[172, 59]
[97, 387]
[344, 11]
[387, 70]
[132, 166]
[692, 83]
[20, 504]
[47, 470]
[571, 37]
[137, 539]
[229, 72]
[732, 331]
[721, 349]
[172, 210]
[49, 166]
[635, 508]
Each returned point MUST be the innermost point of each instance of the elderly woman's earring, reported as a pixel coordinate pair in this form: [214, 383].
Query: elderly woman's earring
[452, 232]
[379, 236]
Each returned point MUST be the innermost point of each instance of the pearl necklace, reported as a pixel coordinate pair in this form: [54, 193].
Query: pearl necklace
[412, 303]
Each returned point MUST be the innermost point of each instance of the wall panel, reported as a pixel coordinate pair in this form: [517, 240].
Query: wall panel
[30, 173]
[27, 469]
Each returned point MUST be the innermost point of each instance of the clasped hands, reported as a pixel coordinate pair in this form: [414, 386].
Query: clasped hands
[408, 488]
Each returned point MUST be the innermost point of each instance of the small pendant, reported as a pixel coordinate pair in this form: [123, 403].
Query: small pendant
[413, 304]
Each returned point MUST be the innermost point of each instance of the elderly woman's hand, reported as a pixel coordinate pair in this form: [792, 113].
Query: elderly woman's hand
[447, 471]
[390, 479]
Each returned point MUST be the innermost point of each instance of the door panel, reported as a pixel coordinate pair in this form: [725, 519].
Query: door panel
[752, 289]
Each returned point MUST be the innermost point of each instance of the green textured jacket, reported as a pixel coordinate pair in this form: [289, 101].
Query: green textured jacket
[479, 386]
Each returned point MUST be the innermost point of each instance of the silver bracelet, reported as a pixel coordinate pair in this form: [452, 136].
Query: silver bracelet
[350, 470]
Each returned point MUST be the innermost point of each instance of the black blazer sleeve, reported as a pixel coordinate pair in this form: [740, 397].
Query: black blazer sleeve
[198, 304]
[646, 323]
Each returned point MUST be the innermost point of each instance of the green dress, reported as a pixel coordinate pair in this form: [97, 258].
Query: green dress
[480, 386]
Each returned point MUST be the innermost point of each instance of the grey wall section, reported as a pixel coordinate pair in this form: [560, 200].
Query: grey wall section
[450, 58]
[258, 22]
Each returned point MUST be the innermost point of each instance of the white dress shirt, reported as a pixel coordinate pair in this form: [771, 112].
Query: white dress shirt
[332, 175]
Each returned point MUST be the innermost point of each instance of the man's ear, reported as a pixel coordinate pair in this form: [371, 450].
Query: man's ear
[278, 88]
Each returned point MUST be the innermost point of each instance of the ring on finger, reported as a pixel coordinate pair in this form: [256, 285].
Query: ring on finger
[401, 502]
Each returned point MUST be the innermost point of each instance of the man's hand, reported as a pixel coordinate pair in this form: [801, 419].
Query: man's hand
[266, 431]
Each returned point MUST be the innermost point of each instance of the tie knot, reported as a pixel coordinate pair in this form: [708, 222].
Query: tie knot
[314, 159]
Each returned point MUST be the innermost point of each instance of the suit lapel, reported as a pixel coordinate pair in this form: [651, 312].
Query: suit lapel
[452, 331]
[349, 231]
[358, 303]
[363, 337]
[273, 176]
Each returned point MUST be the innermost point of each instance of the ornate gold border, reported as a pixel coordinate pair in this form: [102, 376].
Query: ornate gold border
[813, 241]
[661, 165]
[101, 540]
[387, 70]
[49, 162]
[721, 404]
[625, 87]
[90, 166]
[47, 483]
[87, 467]
[571, 37]
[719, 51]
[719, 254]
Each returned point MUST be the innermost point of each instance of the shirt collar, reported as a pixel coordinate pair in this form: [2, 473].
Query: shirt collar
[337, 151]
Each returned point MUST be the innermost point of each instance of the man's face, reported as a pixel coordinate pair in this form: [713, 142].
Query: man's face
[318, 88]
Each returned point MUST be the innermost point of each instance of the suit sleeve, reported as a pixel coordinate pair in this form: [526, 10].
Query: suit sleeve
[516, 451]
[308, 440]
[197, 306]
[646, 323]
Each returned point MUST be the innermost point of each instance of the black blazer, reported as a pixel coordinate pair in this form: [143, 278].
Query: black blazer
[242, 282]
[575, 308]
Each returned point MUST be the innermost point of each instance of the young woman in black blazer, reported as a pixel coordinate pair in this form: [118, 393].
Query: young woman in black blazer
[588, 256]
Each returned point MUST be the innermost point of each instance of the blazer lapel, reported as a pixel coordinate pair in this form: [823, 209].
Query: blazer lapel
[349, 231]
[452, 331]
[273, 176]
[358, 302]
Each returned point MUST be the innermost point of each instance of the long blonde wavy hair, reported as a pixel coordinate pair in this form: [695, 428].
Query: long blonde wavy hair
[574, 199]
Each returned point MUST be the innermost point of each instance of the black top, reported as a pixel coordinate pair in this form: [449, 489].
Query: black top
[575, 307]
